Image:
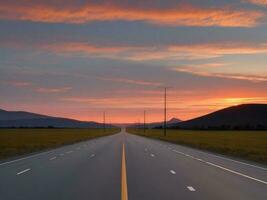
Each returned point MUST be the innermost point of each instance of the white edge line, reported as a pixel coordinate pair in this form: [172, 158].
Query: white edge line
[263, 168]
[19, 173]
[229, 159]
[222, 157]
[24, 158]
[32, 156]
[235, 172]
[223, 168]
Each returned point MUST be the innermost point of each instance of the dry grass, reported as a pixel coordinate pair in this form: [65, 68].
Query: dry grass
[20, 141]
[250, 145]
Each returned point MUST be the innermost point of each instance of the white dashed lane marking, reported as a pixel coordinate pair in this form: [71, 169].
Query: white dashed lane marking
[22, 172]
[190, 188]
[53, 158]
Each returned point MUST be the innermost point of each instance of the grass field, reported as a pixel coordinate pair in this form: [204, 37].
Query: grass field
[20, 141]
[249, 145]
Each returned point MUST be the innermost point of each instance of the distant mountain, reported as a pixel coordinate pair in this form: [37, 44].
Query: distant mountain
[18, 115]
[173, 121]
[27, 119]
[157, 124]
[246, 116]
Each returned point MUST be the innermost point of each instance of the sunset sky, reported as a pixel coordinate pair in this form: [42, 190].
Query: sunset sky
[77, 59]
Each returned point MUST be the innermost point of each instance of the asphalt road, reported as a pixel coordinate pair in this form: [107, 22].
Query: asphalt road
[153, 170]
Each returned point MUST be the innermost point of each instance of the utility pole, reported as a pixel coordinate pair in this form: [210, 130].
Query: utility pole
[165, 110]
[144, 121]
[104, 121]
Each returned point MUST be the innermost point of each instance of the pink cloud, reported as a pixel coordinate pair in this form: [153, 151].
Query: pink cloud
[53, 90]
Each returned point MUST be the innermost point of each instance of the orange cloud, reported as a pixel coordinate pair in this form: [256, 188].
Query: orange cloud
[53, 90]
[147, 53]
[172, 52]
[243, 100]
[214, 65]
[179, 15]
[85, 48]
[154, 101]
[222, 48]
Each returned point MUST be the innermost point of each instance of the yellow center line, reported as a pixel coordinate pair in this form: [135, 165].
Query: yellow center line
[124, 192]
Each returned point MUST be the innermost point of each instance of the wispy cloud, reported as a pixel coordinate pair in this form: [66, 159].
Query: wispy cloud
[190, 51]
[213, 65]
[18, 83]
[183, 106]
[131, 81]
[117, 102]
[206, 73]
[179, 14]
[243, 100]
[53, 90]
[258, 2]
[88, 48]
[161, 52]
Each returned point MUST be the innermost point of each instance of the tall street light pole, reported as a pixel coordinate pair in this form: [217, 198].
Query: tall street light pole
[144, 121]
[104, 121]
[165, 110]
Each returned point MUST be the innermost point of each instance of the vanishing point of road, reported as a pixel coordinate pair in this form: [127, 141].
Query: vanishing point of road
[125, 166]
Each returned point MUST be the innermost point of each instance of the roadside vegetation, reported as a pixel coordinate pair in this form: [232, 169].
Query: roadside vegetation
[17, 141]
[249, 145]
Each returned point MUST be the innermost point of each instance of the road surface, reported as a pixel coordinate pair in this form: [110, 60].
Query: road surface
[124, 166]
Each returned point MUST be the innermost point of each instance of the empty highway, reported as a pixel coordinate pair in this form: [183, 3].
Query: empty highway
[125, 166]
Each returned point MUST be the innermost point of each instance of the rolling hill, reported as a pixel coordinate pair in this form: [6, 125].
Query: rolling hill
[27, 119]
[245, 116]
[156, 124]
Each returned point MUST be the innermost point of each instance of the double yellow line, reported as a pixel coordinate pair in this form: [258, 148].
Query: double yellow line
[124, 191]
